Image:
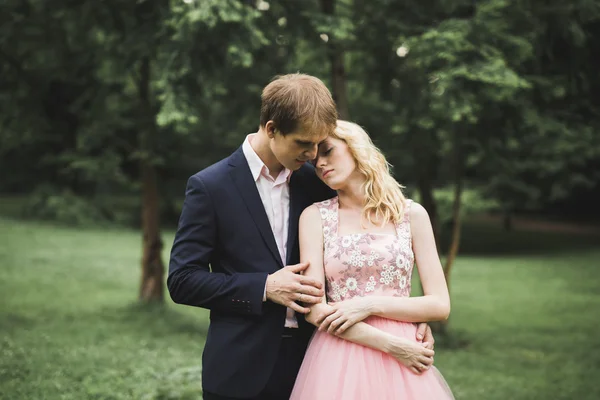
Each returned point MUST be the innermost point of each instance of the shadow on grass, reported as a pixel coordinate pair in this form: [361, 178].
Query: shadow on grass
[11, 322]
[452, 340]
[155, 319]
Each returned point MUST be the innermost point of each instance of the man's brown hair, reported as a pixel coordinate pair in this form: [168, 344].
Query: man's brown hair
[295, 100]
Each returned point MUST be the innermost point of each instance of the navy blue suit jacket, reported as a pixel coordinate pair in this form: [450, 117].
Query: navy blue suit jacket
[223, 251]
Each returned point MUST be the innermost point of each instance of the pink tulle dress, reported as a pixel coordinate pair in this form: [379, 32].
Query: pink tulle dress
[364, 264]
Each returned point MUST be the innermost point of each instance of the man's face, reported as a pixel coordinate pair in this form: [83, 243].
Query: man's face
[296, 148]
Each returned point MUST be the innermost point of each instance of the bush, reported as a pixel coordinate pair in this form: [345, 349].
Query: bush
[64, 206]
[473, 202]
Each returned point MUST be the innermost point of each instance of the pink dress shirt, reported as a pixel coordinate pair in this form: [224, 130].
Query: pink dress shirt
[275, 196]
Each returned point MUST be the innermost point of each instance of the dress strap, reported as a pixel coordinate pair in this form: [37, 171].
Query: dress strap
[329, 218]
[403, 227]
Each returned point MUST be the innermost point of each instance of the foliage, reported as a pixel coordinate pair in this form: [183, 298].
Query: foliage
[488, 78]
[48, 203]
[473, 203]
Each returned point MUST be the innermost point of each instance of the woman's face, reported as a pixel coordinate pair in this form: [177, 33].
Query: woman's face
[334, 163]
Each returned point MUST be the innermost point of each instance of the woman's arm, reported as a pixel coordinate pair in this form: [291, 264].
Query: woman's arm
[434, 305]
[412, 354]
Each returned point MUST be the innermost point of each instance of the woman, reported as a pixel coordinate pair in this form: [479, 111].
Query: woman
[363, 245]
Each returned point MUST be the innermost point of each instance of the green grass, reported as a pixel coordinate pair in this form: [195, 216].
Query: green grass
[70, 328]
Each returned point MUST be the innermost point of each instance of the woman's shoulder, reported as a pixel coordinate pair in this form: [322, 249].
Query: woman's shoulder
[415, 212]
[319, 209]
[311, 214]
[414, 208]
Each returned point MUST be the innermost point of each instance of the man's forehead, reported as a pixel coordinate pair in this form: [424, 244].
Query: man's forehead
[311, 135]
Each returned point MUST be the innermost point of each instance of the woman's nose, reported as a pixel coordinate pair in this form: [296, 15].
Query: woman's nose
[320, 162]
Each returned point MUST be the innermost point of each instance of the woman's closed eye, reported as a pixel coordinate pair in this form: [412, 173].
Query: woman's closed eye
[326, 152]
[322, 153]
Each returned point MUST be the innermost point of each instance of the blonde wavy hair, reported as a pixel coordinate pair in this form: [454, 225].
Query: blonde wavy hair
[384, 198]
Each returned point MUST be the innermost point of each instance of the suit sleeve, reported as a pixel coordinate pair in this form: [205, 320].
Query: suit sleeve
[190, 280]
[320, 191]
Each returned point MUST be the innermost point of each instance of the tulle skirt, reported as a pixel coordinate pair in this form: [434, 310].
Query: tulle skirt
[334, 369]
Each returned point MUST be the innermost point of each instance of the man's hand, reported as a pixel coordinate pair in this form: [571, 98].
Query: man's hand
[413, 355]
[425, 336]
[287, 286]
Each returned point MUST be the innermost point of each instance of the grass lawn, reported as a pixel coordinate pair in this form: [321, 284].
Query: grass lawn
[528, 305]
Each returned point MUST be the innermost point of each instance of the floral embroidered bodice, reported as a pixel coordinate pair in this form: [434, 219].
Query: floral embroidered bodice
[364, 264]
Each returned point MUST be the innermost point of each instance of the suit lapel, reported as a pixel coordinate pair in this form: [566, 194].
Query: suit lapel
[295, 211]
[242, 177]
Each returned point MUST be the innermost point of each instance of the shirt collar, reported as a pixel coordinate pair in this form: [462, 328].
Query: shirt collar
[257, 166]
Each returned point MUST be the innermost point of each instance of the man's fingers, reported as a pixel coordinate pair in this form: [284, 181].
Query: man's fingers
[298, 308]
[309, 291]
[415, 370]
[426, 360]
[428, 352]
[308, 281]
[298, 267]
[308, 299]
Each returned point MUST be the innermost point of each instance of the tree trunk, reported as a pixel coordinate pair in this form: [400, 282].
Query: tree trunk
[441, 326]
[507, 220]
[426, 164]
[339, 82]
[338, 71]
[151, 287]
[456, 208]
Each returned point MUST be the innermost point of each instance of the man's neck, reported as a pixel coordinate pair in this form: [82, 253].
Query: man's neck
[260, 144]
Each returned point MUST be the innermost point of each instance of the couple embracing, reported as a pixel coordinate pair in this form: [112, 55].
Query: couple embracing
[302, 246]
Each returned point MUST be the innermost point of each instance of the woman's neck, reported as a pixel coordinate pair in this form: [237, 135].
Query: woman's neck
[352, 195]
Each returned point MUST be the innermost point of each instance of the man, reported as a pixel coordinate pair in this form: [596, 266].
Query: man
[240, 217]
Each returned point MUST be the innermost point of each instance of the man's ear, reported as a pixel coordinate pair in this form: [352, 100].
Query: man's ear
[270, 129]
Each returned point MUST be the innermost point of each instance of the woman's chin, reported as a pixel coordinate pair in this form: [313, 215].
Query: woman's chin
[332, 184]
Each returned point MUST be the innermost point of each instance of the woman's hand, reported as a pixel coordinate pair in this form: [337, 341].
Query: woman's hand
[413, 355]
[318, 313]
[346, 314]
[424, 335]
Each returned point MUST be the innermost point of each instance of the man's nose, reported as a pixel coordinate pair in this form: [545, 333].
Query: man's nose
[312, 153]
